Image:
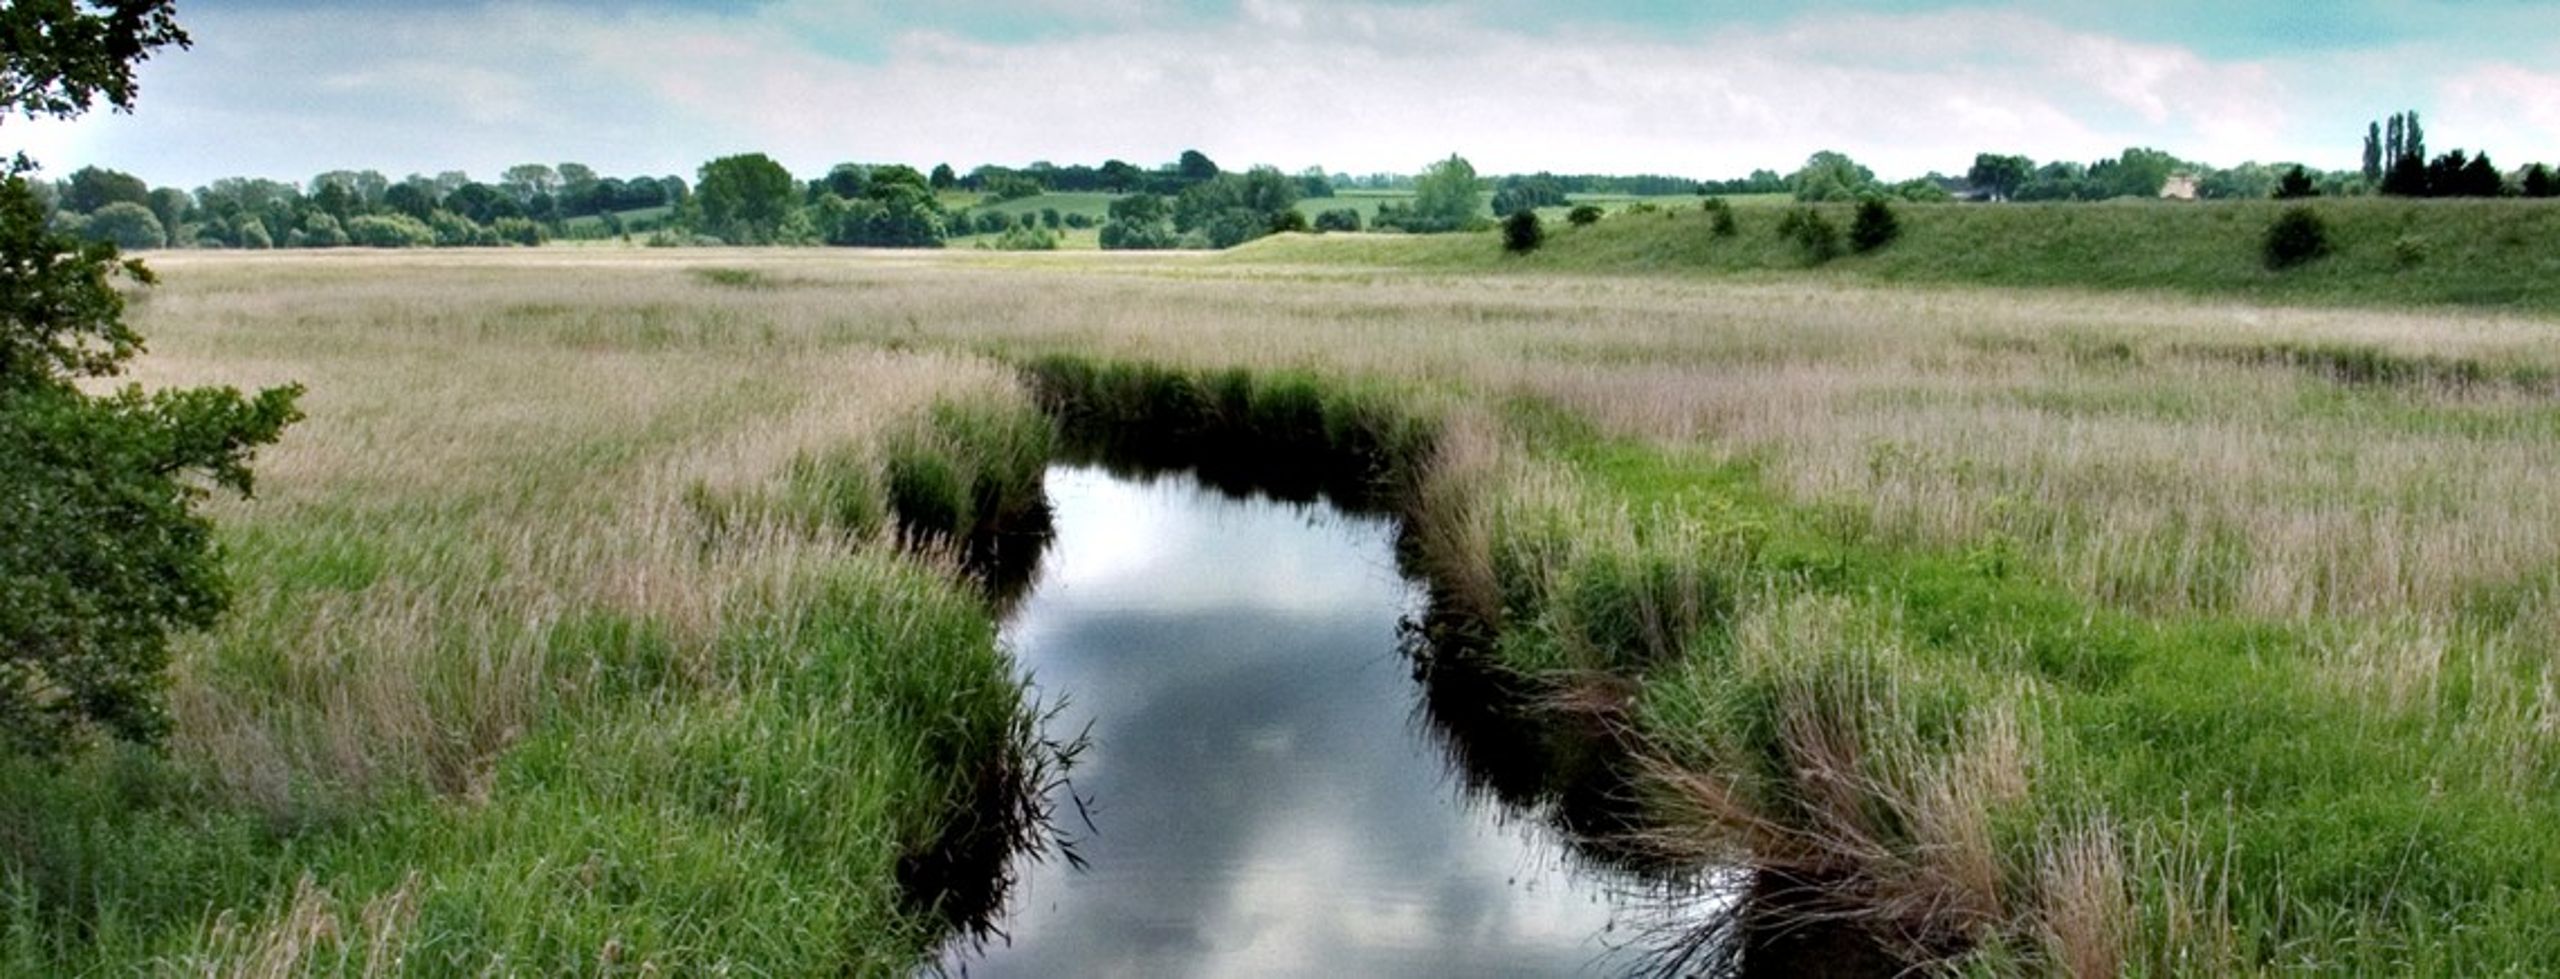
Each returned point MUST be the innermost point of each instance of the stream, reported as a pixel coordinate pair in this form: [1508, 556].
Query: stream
[1268, 788]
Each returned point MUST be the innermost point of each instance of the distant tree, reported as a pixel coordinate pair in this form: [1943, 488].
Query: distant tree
[2538, 182]
[1521, 232]
[1338, 219]
[1517, 193]
[742, 199]
[1999, 176]
[2297, 237]
[481, 203]
[2480, 178]
[1195, 167]
[2138, 172]
[91, 188]
[943, 178]
[320, 230]
[1138, 222]
[126, 225]
[103, 553]
[1830, 176]
[850, 180]
[335, 199]
[173, 207]
[1120, 176]
[2296, 185]
[412, 199]
[525, 181]
[897, 209]
[1313, 184]
[1051, 219]
[1874, 227]
[1583, 215]
[2372, 153]
[2404, 163]
[1446, 197]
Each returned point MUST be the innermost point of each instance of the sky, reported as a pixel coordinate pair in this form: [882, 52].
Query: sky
[1708, 88]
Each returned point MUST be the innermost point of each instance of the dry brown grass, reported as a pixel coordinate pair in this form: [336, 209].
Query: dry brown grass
[490, 461]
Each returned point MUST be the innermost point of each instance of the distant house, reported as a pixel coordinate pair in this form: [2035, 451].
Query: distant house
[2179, 187]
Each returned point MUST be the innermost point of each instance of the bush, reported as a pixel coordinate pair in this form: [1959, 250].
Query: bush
[1874, 227]
[517, 231]
[1720, 217]
[390, 231]
[320, 231]
[1079, 221]
[126, 225]
[1521, 233]
[1815, 238]
[1338, 219]
[1583, 215]
[2298, 236]
[1027, 238]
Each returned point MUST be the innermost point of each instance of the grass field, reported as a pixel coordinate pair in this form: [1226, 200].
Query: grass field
[2051, 629]
[2387, 252]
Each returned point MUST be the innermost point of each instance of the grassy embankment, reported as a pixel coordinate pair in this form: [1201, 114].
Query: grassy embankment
[2495, 254]
[2060, 629]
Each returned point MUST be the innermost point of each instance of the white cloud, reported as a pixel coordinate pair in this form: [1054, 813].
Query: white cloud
[1357, 87]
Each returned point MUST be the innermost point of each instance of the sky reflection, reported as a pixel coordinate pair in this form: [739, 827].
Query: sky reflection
[1264, 801]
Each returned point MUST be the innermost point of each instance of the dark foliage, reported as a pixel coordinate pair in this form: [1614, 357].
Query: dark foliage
[1874, 227]
[1522, 233]
[2298, 236]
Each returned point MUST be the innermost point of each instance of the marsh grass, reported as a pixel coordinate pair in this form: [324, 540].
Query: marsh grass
[2059, 630]
[570, 638]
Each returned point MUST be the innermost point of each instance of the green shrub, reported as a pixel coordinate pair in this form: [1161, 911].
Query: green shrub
[1874, 227]
[1720, 217]
[1338, 219]
[2297, 236]
[1583, 215]
[1815, 238]
[1521, 233]
[390, 231]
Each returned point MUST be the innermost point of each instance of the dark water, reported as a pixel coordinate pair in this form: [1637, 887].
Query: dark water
[1268, 793]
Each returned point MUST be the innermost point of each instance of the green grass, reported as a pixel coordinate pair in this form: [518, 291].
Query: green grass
[2386, 252]
[2265, 819]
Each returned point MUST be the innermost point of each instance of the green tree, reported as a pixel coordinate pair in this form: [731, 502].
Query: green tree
[102, 552]
[1195, 167]
[742, 199]
[2296, 185]
[126, 225]
[1999, 176]
[1338, 219]
[1583, 215]
[1830, 176]
[91, 188]
[2538, 182]
[1446, 197]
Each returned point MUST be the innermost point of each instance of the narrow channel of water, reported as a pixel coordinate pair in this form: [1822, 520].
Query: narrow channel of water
[1267, 792]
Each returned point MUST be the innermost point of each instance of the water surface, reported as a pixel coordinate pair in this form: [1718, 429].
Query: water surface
[1265, 790]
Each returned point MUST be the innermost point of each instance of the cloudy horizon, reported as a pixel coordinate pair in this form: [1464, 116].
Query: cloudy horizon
[288, 88]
